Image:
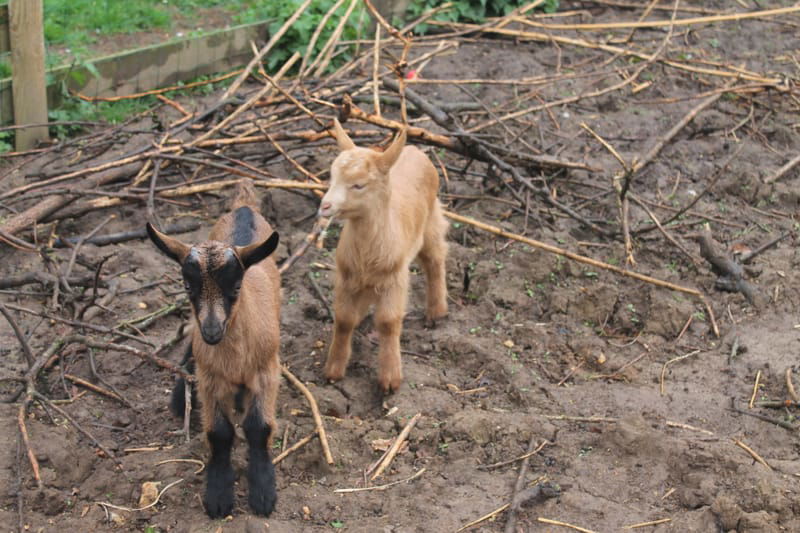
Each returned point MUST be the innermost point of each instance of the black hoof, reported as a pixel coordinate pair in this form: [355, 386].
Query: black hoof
[219, 494]
[262, 499]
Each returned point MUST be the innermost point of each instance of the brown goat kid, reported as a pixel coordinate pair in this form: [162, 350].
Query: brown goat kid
[392, 215]
[234, 288]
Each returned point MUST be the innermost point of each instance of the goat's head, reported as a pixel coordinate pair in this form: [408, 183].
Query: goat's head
[212, 276]
[359, 176]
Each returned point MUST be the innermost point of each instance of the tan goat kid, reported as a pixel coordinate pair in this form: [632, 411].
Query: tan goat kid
[234, 289]
[392, 215]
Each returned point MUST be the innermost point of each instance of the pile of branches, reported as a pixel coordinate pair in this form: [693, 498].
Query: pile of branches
[247, 128]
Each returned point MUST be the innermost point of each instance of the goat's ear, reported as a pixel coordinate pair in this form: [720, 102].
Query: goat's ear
[389, 157]
[173, 248]
[253, 253]
[342, 139]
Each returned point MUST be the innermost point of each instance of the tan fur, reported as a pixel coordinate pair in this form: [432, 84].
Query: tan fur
[394, 218]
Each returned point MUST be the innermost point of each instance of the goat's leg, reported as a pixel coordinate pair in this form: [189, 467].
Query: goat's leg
[389, 313]
[348, 310]
[219, 481]
[432, 256]
[259, 426]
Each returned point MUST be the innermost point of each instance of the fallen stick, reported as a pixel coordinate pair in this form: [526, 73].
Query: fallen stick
[783, 170]
[323, 437]
[515, 459]
[124, 236]
[570, 255]
[511, 522]
[752, 452]
[650, 523]
[261, 53]
[95, 388]
[387, 460]
[382, 487]
[137, 509]
[755, 389]
[672, 361]
[564, 524]
[790, 386]
[294, 447]
[26, 349]
[661, 23]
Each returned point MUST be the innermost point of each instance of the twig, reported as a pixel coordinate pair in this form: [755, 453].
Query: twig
[398, 442]
[748, 257]
[570, 255]
[485, 517]
[783, 170]
[383, 487]
[511, 521]
[780, 423]
[687, 426]
[26, 349]
[320, 226]
[81, 242]
[274, 38]
[23, 429]
[790, 386]
[582, 418]
[650, 523]
[320, 294]
[375, 66]
[755, 389]
[113, 238]
[46, 403]
[515, 459]
[294, 447]
[137, 509]
[197, 462]
[564, 524]
[323, 438]
[95, 388]
[671, 361]
[752, 452]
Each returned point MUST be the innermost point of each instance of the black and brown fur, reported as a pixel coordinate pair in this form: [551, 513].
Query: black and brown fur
[234, 289]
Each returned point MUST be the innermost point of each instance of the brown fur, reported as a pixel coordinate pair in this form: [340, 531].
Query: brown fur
[391, 219]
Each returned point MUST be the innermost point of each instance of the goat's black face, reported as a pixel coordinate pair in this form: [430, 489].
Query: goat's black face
[212, 275]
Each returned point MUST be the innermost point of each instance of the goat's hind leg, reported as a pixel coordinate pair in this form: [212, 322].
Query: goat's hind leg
[432, 256]
[220, 477]
[259, 426]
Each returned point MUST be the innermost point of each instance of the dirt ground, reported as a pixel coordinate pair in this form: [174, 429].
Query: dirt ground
[536, 347]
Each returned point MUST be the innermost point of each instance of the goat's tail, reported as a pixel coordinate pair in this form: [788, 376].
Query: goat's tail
[177, 403]
[245, 194]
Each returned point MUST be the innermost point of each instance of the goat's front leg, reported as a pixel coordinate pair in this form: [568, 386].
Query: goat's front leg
[389, 313]
[219, 482]
[259, 425]
[348, 310]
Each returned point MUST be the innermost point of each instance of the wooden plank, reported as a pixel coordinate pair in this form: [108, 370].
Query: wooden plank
[27, 63]
[5, 43]
[154, 66]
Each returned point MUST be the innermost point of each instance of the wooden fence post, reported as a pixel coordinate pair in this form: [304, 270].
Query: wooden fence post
[26, 30]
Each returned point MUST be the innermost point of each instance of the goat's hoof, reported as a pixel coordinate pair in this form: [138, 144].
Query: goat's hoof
[219, 504]
[390, 385]
[334, 372]
[432, 317]
[262, 501]
[219, 493]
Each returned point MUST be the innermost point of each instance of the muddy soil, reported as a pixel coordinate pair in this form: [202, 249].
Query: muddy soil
[536, 347]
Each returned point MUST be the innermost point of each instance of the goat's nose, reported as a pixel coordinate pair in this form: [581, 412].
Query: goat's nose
[212, 332]
[325, 206]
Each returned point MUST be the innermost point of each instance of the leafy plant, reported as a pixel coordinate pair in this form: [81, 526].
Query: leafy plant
[473, 11]
[299, 34]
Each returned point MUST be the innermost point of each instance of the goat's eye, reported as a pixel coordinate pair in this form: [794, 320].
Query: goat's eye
[357, 186]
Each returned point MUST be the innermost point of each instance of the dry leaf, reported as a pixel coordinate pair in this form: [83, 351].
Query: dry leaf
[142, 305]
[381, 445]
[601, 358]
[508, 344]
[149, 493]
